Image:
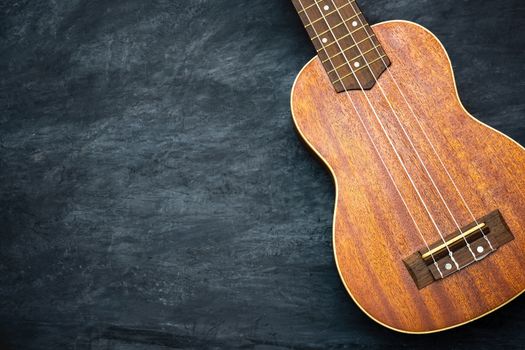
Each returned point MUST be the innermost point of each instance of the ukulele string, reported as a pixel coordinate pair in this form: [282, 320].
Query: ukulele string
[393, 111]
[423, 131]
[386, 133]
[380, 157]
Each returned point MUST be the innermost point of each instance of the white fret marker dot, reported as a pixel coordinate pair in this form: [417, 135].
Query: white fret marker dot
[480, 249]
[325, 40]
[356, 64]
[326, 7]
[448, 266]
[354, 23]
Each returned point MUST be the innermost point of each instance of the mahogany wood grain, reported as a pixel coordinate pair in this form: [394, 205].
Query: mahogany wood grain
[373, 231]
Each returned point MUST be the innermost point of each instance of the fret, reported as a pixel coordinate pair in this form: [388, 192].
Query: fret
[350, 47]
[328, 14]
[357, 70]
[336, 40]
[336, 26]
[353, 59]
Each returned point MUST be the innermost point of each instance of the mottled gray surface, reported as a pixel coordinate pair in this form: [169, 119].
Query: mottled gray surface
[153, 192]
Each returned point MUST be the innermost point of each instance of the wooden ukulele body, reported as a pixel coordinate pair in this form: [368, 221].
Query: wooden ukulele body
[372, 230]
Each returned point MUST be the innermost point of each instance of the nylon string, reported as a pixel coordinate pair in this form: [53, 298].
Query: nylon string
[388, 137]
[422, 130]
[375, 146]
[398, 121]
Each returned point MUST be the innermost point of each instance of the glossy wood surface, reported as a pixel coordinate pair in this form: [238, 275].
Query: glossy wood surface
[373, 231]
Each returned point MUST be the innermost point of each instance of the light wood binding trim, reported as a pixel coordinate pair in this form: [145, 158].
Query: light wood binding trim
[336, 182]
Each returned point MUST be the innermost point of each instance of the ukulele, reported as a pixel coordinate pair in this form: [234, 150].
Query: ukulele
[429, 219]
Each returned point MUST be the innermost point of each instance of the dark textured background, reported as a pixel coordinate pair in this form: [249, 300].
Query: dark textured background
[154, 194]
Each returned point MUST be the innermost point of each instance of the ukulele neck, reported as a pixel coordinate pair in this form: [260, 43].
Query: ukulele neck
[346, 45]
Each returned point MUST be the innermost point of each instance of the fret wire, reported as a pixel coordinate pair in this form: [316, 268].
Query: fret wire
[348, 48]
[328, 14]
[340, 38]
[307, 7]
[346, 20]
[364, 53]
[357, 70]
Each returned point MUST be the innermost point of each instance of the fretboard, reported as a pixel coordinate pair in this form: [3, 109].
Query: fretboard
[345, 43]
